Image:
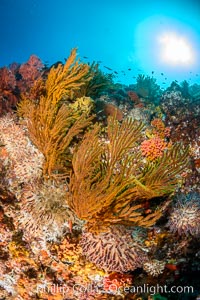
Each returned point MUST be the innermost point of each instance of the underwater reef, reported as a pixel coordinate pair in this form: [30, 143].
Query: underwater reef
[99, 185]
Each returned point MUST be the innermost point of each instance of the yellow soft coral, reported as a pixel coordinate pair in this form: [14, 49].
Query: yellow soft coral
[110, 178]
[52, 123]
[83, 104]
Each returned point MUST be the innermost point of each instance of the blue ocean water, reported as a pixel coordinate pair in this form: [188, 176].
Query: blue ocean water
[121, 35]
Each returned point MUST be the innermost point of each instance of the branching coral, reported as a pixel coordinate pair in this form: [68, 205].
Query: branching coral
[133, 96]
[97, 84]
[7, 80]
[110, 180]
[8, 98]
[194, 91]
[147, 87]
[52, 124]
[30, 72]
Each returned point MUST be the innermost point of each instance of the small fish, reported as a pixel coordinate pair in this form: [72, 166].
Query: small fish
[129, 69]
[108, 68]
[171, 267]
[176, 80]
[115, 72]
[152, 72]
[85, 57]
[161, 74]
[165, 78]
[147, 211]
[197, 74]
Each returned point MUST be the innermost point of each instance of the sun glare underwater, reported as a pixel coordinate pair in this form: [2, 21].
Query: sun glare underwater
[165, 45]
[99, 150]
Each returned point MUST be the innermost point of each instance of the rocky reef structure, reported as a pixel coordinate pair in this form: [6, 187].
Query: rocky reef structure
[91, 201]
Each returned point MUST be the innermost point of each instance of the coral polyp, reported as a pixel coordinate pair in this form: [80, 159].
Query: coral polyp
[45, 211]
[185, 216]
[154, 267]
[114, 250]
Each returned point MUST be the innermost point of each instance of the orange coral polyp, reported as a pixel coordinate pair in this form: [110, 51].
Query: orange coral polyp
[153, 148]
[158, 123]
[159, 128]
